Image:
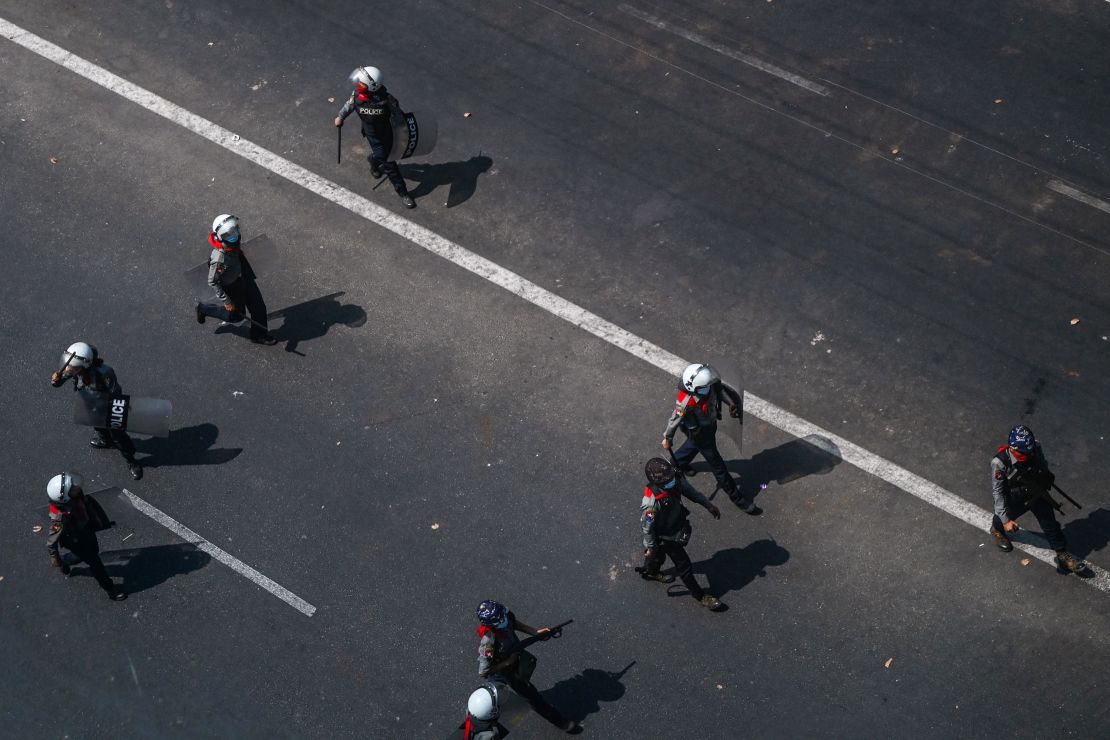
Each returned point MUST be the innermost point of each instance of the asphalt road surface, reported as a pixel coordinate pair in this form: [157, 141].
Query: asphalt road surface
[885, 217]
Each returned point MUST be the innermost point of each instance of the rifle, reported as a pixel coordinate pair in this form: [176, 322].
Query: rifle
[1037, 488]
[555, 633]
[1072, 501]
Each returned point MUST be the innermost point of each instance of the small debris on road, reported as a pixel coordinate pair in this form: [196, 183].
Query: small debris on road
[37, 528]
[435, 525]
[1073, 322]
[997, 101]
[53, 160]
[888, 662]
[1025, 561]
[468, 114]
[331, 100]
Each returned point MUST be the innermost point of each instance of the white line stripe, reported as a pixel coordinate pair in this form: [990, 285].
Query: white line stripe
[1079, 195]
[510, 281]
[729, 52]
[226, 558]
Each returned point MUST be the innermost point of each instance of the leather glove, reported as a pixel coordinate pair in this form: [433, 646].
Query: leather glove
[734, 411]
[56, 379]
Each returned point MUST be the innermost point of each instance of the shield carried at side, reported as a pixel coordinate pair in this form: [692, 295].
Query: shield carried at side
[262, 258]
[122, 412]
[414, 136]
[733, 428]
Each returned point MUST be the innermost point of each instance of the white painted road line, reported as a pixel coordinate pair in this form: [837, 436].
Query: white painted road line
[224, 557]
[1079, 195]
[729, 52]
[637, 346]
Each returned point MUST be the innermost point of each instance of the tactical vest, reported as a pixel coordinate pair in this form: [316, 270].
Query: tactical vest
[1019, 475]
[376, 115]
[701, 414]
[670, 514]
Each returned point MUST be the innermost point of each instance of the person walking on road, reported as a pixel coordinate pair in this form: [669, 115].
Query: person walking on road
[234, 282]
[500, 663]
[483, 709]
[696, 412]
[74, 521]
[82, 364]
[666, 529]
[1020, 479]
[379, 111]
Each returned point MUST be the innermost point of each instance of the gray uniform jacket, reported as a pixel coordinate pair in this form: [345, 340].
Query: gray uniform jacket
[1002, 472]
[493, 647]
[689, 414]
[224, 268]
[74, 525]
[649, 508]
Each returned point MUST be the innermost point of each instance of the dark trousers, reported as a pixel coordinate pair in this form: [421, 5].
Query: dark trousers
[531, 694]
[706, 444]
[682, 566]
[87, 550]
[246, 296]
[1046, 516]
[379, 149]
[118, 439]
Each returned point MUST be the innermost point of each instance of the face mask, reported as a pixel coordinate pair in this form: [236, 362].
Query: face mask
[671, 484]
[503, 624]
[231, 239]
[703, 391]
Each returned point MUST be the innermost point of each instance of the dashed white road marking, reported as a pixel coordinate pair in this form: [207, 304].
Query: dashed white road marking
[651, 353]
[727, 51]
[224, 557]
[1065, 189]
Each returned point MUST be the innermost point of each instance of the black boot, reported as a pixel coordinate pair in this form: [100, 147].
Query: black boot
[1069, 563]
[101, 443]
[1002, 540]
[116, 595]
[135, 469]
[200, 314]
[375, 170]
[407, 200]
[660, 577]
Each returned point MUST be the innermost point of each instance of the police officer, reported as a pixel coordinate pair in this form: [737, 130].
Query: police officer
[233, 280]
[696, 413]
[74, 521]
[500, 664]
[1016, 463]
[82, 364]
[483, 709]
[666, 529]
[378, 110]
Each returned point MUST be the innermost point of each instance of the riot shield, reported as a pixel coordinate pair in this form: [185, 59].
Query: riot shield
[111, 411]
[414, 136]
[262, 257]
[733, 428]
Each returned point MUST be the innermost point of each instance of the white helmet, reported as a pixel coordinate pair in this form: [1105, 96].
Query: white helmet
[482, 704]
[226, 228]
[369, 77]
[60, 486]
[698, 376]
[79, 354]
